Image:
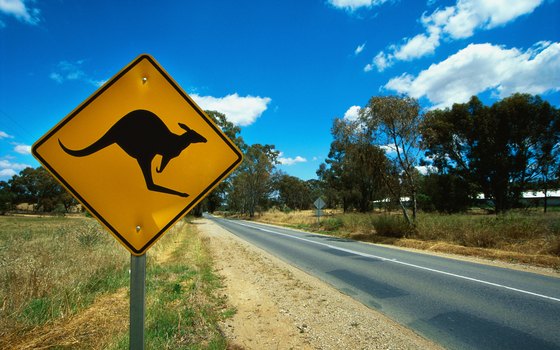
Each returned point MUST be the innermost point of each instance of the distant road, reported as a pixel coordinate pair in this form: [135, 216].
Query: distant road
[458, 304]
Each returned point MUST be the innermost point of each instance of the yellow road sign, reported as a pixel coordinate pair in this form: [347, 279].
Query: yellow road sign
[138, 154]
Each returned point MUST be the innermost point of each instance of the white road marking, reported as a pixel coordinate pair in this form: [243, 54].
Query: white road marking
[401, 262]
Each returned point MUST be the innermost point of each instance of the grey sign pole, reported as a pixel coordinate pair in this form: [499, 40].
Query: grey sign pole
[137, 301]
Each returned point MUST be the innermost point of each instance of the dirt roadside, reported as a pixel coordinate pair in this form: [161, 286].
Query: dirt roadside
[281, 307]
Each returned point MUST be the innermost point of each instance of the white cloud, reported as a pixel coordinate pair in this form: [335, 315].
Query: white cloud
[454, 22]
[290, 161]
[390, 149]
[23, 149]
[4, 135]
[460, 21]
[19, 10]
[352, 113]
[415, 47]
[352, 5]
[240, 110]
[418, 46]
[381, 61]
[9, 169]
[97, 83]
[4, 173]
[482, 67]
[426, 169]
[56, 77]
[72, 71]
[359, 49]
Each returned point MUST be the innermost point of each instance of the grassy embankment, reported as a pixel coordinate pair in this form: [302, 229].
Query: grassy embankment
[64, 283]
[525, 237]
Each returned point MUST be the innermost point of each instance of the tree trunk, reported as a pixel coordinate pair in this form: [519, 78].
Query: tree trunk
[405, 213]
[198, 210]
[414, 206]
[397, 195]
[545, 198]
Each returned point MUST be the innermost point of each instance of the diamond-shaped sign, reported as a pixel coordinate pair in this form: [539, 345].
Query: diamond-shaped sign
[138, 154]
[319, 203]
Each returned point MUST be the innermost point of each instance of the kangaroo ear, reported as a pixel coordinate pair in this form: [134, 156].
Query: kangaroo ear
[184, 127]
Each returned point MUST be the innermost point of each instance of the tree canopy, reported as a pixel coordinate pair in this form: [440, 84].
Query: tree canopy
[499, 149]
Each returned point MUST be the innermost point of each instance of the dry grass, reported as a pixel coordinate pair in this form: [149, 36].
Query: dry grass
[64, 284]
[299, 217]
[51, 268]
[525, 237]
[93, 328]
[531, 233]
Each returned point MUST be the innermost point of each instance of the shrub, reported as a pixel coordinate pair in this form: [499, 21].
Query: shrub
[391, 226]
[555, 246]
[356, 222]
[331, 224]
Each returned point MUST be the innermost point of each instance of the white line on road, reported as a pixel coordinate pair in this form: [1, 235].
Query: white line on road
[400, 262]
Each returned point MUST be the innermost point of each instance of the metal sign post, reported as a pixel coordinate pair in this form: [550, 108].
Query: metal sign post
[137, 301]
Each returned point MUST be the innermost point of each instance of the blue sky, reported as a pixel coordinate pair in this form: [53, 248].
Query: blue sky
[282, 70]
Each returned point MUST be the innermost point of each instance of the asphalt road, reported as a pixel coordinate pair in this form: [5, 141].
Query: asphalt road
[458, 304]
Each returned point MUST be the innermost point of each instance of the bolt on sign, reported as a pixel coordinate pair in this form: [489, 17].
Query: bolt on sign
[138, 154]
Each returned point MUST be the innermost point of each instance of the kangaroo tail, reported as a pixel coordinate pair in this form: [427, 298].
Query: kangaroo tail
[103, 142]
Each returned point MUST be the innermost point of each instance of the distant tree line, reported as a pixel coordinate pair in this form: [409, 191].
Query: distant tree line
[469, 149]
[499, 151]
[257, 184]
[34, 187]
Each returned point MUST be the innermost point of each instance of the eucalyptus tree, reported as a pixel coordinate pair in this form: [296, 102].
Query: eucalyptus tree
[293, 192]
[393, 122]
[252, 185]
[354, 170]
[500, 150]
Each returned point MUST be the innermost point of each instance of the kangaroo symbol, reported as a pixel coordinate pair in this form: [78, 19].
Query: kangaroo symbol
[142, 135]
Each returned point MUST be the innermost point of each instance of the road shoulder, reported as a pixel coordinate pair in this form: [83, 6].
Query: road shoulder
[279, 306]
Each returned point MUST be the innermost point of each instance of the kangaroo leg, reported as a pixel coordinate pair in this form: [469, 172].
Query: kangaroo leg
[146, 166]
[163, 164]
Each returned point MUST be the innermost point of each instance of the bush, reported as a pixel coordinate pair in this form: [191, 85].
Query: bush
[391, 226]
[331, 224]
[555, 246]
[477, 238]
[356, 222]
